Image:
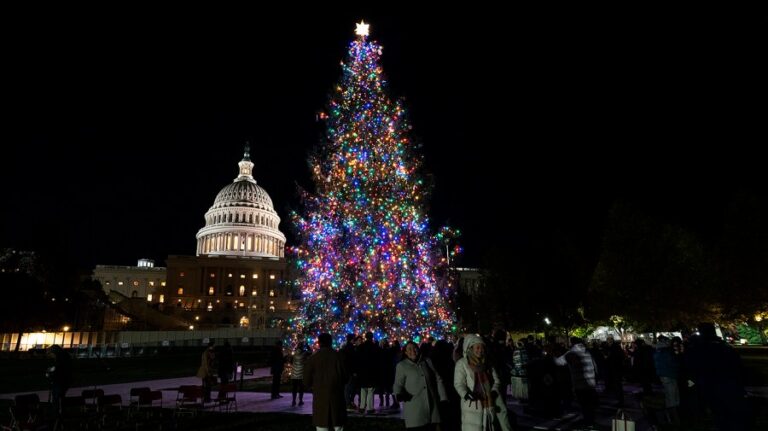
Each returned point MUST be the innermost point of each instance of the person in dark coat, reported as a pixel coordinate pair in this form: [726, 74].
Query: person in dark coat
[614, 366]
[642, 365]
[226, 361]
[348, 351]
[500, 359]
[60, 376]
[326, 374]
[717, 373]
[368, 372]
[276, 365]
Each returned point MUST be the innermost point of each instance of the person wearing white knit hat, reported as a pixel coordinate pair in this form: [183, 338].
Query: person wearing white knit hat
[477, 383]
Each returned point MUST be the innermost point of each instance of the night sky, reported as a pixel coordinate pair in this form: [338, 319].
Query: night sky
[121, 127]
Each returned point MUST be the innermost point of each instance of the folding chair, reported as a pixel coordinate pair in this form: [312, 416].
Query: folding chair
[25, 412]
[111, 409]
[144, 398]
[227, 397]
[189, 399]
[74, 414]
[91, 397]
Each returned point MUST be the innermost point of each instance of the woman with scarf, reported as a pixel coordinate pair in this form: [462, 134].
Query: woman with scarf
[478, 385]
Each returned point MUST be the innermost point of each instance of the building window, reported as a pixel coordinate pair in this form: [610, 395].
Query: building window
[242, 305]
[211, 290]
[149, 297]
[229, 275]
[162, 283]
[134, 294]
[180, 291]
[271, 276]
[242, 275]
[162, 299]
[151, 283]
[271, 308]
[242, 290]
[213, 275]
[255, 276]
[271, 293]
[107, 283]
[119, 283]
[181, 274]
[135, 283]
[253, 292]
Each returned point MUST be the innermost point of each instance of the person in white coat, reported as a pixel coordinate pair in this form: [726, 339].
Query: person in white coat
[419, 387]
[478, 385]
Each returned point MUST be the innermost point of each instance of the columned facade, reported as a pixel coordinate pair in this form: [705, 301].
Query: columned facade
[238, 276]
[242, 221]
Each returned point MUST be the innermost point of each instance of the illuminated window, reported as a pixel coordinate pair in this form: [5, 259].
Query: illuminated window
[149, 297]
[253, 292]
[271, 308]
[242, 275]
[229, 275]
[151, 283]
[162, 298]
[242, 305]
[213, 275]
[180, 291]
[272, 276]
[209, 307]
[162, 283]
[181, 274]
[107, 283]
[242, 290]
[271, 293]
[119, 283]
[255, 276]
[135, 283]
[211, 290]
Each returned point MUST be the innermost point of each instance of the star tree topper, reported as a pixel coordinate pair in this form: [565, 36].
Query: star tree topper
[362, 28]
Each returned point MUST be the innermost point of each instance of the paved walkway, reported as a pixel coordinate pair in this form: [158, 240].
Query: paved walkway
[259, 402]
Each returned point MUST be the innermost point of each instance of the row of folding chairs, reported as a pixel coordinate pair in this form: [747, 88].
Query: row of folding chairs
[190, 399]
[24, 413]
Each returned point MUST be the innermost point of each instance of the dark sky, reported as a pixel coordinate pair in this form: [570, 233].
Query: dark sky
[122, 126]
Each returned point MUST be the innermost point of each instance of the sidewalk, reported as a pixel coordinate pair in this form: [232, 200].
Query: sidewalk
[255, 402]
[261, 402]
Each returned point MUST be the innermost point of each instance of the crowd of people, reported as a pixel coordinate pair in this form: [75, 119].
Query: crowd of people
[465, 385]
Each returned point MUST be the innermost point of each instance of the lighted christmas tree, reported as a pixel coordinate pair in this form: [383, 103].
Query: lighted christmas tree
[366, 258]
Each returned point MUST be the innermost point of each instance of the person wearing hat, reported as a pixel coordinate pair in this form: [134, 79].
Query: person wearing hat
[477, 383]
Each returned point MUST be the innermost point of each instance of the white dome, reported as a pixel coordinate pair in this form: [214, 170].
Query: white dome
[243, 193]
[242, 221]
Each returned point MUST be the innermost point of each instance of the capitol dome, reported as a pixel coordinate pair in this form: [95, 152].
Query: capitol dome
[242, 221]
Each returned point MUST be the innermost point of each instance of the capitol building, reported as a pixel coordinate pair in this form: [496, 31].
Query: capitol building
[238, 276]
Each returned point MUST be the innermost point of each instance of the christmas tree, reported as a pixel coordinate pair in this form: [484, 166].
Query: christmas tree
[366, 258]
